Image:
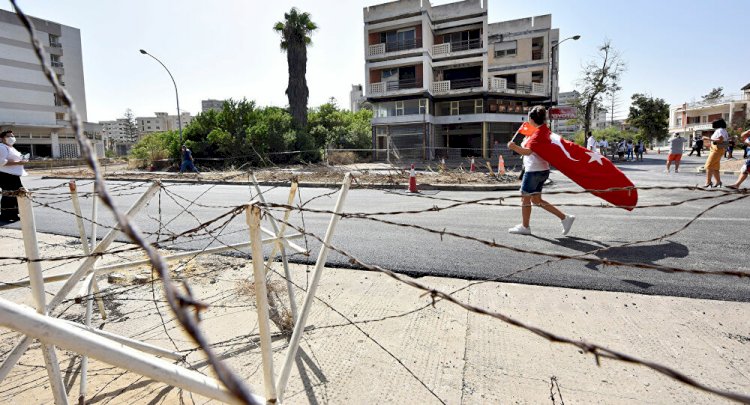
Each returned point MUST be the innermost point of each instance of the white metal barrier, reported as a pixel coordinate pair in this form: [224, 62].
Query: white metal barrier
[131, 354]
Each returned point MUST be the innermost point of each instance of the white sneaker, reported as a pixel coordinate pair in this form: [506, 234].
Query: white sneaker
[520, 230]
[567, 223]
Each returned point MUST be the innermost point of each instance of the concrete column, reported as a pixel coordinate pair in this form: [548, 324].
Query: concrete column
[484, 141]
[55, 140]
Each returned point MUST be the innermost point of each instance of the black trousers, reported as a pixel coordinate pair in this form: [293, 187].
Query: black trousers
[9, 204]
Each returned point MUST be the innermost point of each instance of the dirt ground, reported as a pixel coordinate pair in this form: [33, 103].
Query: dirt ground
[364, 174]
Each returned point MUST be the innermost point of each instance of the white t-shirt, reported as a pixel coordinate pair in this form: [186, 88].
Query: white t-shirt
[603, 143]
[720, 134]
[532, 162]
[11, 154]
[591, 144]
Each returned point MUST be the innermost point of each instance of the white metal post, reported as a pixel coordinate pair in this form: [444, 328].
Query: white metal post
[280, 246]
[261, 300]
[83, 269]
[31, 246]
[299, 327]
[94, 216]
[79, 217]
[61, 333]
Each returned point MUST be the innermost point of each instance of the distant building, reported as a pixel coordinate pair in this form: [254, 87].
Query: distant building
[444, 82]
[116, 137]
[211, 104]
[161, 122]
[569, 128]
[694, 119]
[28, 103]
[356, 98]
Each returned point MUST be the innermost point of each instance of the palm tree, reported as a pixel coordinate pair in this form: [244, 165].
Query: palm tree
[295, 33]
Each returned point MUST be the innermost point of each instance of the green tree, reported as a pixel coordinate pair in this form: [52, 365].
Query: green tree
[156, 146]
[332, 127]
[599, 76]
[651, 116]
[715, 94]
[295, 33]
[130, 128]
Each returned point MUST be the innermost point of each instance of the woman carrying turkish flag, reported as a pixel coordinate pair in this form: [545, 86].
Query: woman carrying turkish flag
[586, 168]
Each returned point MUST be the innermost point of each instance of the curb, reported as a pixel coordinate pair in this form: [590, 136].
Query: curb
[732, 172]
[386, 186]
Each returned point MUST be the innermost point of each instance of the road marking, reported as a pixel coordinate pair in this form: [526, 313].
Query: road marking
[649, 217]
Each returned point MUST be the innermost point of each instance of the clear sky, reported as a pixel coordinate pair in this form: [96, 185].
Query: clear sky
[675, 49]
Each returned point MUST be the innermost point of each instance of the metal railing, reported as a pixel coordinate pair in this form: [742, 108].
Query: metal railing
[55, 45]
[456, 46]
[466, 83]
[403, 45]
[402, 84]
[537, 55]
[56, 64]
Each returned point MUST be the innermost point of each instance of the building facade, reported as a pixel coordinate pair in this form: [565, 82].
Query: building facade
[116, 137]
[28, 103]
[356, 98]
[211, 104]
[443, 82]
[695, 118]
[162, 122]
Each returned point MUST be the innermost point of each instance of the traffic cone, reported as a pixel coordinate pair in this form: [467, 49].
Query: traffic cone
[413, 180]
[500, 165]
[473, 168]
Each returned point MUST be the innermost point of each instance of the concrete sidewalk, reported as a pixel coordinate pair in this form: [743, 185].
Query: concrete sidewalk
[372, 339]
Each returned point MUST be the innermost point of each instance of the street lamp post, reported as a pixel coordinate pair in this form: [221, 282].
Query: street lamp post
[177, 96]
[552, 101]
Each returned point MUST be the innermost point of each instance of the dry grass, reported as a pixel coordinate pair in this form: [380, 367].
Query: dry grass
[342, 158]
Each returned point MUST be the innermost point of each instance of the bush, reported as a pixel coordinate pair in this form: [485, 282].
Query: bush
[158, 146]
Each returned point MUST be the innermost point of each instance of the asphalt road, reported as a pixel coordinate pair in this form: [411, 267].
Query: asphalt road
[716, 241]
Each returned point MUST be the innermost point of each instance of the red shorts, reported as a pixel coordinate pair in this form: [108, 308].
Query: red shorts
[674, 157]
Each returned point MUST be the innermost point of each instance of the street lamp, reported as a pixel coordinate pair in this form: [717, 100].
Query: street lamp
[179, 117]
[552, 66]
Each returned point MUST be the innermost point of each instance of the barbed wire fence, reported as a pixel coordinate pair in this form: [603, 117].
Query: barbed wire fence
[186, 307]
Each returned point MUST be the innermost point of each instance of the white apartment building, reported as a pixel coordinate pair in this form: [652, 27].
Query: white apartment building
[570, 127]
[444, 82]
[695, 118]
[116, 137]
[356, 98]
[28, 104]
[162, 122]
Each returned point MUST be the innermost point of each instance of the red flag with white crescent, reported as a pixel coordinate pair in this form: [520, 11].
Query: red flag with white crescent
[586, 168]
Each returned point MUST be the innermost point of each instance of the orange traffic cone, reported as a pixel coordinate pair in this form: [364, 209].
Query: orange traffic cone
[472, 168]
[500, 165]
[413, 180]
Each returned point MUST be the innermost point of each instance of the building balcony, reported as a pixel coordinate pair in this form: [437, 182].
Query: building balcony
[446, 86]
[501, 85]
[692, 127]
[382, 88]
[56, 64]
[452, 47]
[384, 48]
[55, 45]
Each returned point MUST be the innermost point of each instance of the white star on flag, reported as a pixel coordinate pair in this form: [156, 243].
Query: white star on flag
[595, 156]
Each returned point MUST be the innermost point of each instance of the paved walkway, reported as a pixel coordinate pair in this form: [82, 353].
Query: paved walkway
[372, 339]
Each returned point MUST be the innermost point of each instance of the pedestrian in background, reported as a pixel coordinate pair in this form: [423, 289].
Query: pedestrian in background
[639, 148]
[11, 170]
[697, 146]
[187, 160]
[591, 142]
[676, 146]
[730, 148]
[745, 171]
[718, 144]
[629, 146]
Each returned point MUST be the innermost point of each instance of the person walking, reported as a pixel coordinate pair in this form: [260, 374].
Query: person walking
[629, 146]
[11, 170]
[591, 142]
[729, 154]
[639, 148]
[187, 160]
[697, 146]
[745, 140]
[536, 172]
[713, 162]
[603, 146]
[676, 145]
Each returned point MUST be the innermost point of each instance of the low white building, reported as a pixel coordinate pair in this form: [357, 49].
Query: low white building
[212, 104]
[162, 122]
[568, 128]
[28, 103]
[695, 118]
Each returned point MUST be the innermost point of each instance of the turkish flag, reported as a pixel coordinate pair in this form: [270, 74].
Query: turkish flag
[526, 129]
[586, 168]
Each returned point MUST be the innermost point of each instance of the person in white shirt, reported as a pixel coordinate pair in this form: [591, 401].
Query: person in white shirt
[11, 170]
[591, 142]
[718, 144]
[603, 146]
[745, 171]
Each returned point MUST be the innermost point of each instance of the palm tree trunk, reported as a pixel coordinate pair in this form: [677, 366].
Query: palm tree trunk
[297, 91]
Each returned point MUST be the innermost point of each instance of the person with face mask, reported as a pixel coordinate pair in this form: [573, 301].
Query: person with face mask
[11, 170]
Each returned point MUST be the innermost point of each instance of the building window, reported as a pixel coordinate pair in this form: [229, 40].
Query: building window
[478, 106]
[423, 106]
[59, 116]
[537, 48]
[503, 49]
[454, 108]
[536, 77]
[678, 121]
[386, 73]
[399, 108]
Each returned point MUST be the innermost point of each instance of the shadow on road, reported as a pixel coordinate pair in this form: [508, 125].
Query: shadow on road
[648, 254]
